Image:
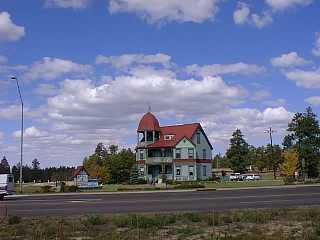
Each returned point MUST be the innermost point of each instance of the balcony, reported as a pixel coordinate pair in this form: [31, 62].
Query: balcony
[158, 160]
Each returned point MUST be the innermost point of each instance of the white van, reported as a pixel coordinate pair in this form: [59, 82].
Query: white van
[6, 185]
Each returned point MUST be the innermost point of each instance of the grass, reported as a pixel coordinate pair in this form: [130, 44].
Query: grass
[35, 188]
[267, 224]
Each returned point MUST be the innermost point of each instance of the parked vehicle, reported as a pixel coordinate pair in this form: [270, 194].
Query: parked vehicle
[252, 177]
[6, 185]
[234, 176]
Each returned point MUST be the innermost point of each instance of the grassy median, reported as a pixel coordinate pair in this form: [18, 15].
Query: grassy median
[267, 224]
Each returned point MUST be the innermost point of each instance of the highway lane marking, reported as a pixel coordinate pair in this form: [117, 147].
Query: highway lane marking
[100, 201]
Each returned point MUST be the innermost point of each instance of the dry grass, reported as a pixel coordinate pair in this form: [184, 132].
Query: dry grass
[272, 224]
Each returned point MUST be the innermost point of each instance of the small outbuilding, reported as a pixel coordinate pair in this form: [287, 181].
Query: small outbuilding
[82, 178]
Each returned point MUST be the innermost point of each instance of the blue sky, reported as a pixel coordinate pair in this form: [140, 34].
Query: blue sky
[90, 68]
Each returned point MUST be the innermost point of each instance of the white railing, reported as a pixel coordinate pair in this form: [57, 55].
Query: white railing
[158, 160]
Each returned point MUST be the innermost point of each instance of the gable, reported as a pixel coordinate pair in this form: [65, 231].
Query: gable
[185, 143]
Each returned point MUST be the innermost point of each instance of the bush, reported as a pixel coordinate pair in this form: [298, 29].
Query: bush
[12, 220]
[289, 180]
[95, 220]
[46, 189]
[71, 188]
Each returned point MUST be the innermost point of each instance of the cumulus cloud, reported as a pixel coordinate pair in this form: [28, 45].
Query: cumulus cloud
[278, 5]
[127, 60]
[315, 100]
[251, 121]
[306, 79]
[262, 20]
[52, 68]
[8, 30]
[167, 10]
[221, 69]
[291, 59]
[75, 4]
[316, 49]
[241, 14]
[45, 89]
[30, 132]
[14, 112]
[261, 95]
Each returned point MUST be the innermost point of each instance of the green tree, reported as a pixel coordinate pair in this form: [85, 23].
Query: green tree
[274, 158]
[4, 166]
[238, 151]
[260, 158]
[304, 135]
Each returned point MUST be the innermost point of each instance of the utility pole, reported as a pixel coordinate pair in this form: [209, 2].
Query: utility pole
[270, 131]
[22, 129]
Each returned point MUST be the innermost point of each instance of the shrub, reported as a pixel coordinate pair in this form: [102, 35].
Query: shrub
[72, 188]
[12, 220]
[95, 220]
[46, 189]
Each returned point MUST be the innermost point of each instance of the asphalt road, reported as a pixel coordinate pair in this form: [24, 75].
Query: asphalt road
[202, 201]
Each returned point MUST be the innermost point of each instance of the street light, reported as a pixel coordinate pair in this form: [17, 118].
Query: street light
[21, 137]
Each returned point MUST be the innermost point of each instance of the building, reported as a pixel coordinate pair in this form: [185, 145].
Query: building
[180, 152]
[82, 178]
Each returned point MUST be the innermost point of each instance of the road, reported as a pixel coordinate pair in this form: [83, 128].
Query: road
[201, 201]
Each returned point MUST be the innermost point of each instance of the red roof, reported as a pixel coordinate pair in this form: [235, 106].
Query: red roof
[78, 170]
[178, 132]
[149, 122]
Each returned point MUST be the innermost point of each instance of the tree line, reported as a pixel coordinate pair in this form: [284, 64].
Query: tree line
[35, 173]
[300, 150]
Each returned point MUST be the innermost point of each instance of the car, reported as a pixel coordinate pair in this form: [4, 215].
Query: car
[252, 177]
[234, 176]
[6, 185]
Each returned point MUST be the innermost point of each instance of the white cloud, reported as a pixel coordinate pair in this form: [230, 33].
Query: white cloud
[14, 112]
[263, 20]
[315, 100]
[46, 89]
[260, 95]
[221, 69]
[51, 68]
[8, 30]
[127, 60]
[316, 49]
[167, 10]
[1, 136]
[241, 14]
[285, 4]
[306, 79]
[251, 121]
[75, 4]
[30, 132]
[275, 103]
[3, 59]
[291, 59]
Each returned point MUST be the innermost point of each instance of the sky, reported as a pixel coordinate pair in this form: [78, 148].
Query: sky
[89, 69]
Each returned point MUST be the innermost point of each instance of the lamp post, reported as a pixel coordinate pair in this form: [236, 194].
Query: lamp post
[21, 136]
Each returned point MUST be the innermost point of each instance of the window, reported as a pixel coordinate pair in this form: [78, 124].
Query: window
[190, 153]
[204, 171]
[141, 157]
[204, 154]
[191, 170]
[198, 137]
[178, 171]
[178, 153]
[168, 137]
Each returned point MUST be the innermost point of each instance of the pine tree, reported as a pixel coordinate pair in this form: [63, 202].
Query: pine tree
[305, 137]
[4, 166]
[238, 152]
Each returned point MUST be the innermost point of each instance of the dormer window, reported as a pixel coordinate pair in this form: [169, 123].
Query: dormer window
[168, 137]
